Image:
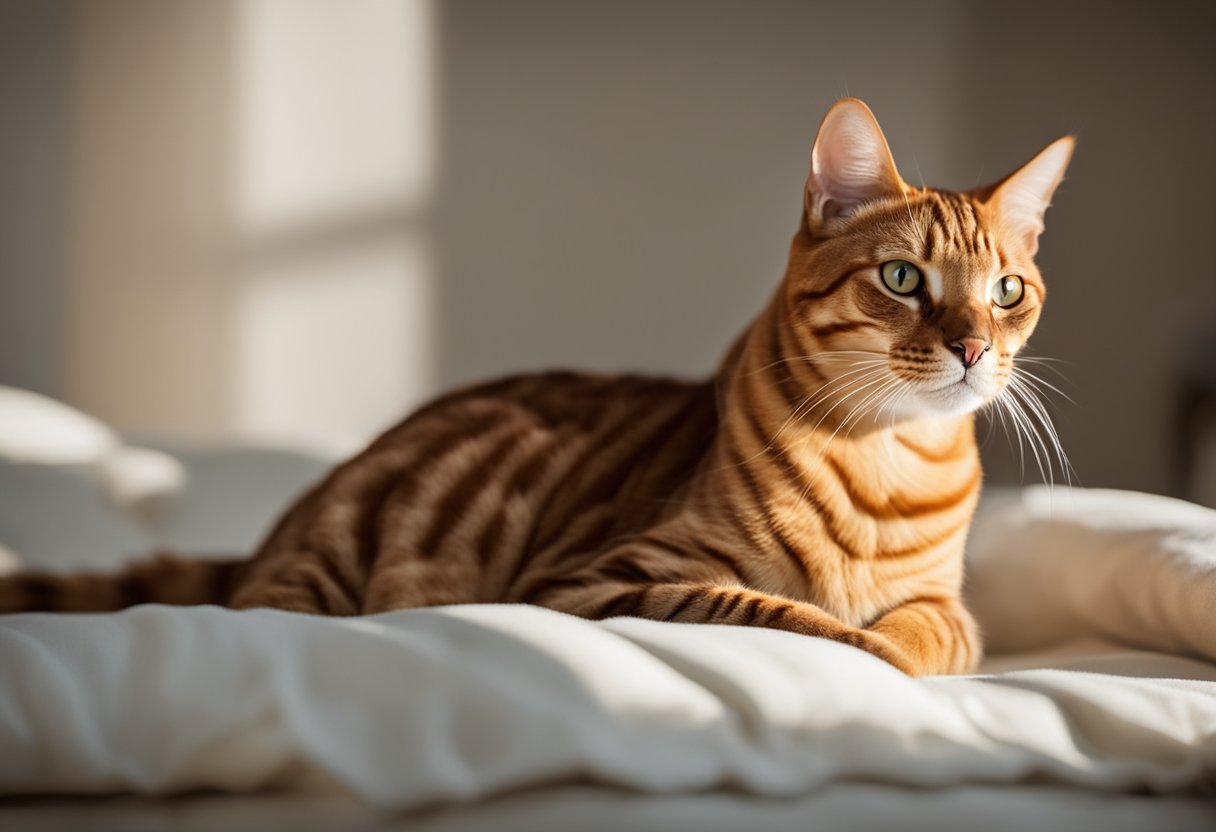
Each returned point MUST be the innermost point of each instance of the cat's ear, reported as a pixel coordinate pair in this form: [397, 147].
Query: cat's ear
[850, 165]
[1022, 197]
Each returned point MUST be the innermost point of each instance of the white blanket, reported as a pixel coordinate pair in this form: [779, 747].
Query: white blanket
[417, 708]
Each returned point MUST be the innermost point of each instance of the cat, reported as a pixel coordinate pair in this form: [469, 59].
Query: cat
[822, 482]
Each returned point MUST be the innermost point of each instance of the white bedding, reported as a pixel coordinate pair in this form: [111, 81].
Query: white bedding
[423, 708]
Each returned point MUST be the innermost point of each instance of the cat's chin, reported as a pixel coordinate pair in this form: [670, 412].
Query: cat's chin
[955, 399]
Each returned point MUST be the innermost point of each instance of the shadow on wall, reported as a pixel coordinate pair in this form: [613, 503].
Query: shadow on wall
[1128, 311]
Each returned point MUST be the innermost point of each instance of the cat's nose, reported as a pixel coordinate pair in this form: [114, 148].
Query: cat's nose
[970, 350]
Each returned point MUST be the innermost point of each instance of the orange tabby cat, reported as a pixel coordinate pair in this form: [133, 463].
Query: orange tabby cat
[822, 483]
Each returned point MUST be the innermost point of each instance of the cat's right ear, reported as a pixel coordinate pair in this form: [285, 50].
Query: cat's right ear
[850, 165]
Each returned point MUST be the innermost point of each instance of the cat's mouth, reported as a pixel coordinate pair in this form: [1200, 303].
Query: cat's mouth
[955, 397]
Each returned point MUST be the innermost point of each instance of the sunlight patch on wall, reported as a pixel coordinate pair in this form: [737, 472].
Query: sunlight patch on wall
[335, 109]
[334, 345]
[335, 159]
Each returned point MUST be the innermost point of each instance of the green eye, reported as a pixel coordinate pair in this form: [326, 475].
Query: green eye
[1008, 291]
[901, 277]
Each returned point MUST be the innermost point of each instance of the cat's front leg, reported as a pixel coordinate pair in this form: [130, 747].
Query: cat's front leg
[936, 635]
[712, 603]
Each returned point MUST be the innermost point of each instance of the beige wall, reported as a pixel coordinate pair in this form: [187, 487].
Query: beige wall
[146, 336]
[607, 185]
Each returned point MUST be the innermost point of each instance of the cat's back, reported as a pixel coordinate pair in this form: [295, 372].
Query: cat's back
[506, 476]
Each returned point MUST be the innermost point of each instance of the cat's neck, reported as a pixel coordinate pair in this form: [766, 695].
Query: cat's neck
[776, 391]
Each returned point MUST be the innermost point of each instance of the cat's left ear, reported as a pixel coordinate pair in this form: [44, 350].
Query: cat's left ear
[850, 165]
[1021, 199]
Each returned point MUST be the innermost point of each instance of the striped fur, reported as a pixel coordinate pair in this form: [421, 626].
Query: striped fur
[822, 482]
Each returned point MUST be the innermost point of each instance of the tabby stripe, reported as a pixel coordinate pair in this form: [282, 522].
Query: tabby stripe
[624, 570]
[603, 445]
[933, 627]
[331, 565]
[720, 597]
[334, 592]
[800, 341]
[819, 294]
[368, 541]
[778, 613]
[896, 507]
[307, 582]
[460, 434]
[779, 458]
[460, 497]
[734, 598]
[721, 557]
[668, 469]
[760, 503]
[750, 611]
[626, 603]
[524, 479]
[692, 595]
[548, 585]
[745, 530]
[784, 375]
[841, 327]
[931, 455]
[610, 481]
[957, 641]
[942, 221]
[930, 239]
[656, 542]
[950, 204]
[924, 545]
[972, 225]
[491, 535]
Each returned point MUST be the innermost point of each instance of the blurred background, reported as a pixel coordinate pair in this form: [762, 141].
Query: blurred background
[290, 221]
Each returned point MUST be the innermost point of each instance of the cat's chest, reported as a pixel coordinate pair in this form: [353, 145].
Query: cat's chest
[877, 530]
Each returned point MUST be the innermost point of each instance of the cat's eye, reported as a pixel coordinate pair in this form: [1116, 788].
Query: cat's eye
[901, 277]
[1008, 291]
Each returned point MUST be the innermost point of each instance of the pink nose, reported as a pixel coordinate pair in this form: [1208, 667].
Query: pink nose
[970, 350]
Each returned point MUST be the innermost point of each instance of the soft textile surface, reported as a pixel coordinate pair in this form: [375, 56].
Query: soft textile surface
[413, 708]
[1045, 566]
[422, 707]
[37, 430]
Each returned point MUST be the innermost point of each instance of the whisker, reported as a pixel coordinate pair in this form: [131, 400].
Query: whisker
[1036, 407]
[1039, 383]
[811, 358]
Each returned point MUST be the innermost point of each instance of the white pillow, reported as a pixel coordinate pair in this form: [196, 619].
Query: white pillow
[35, 429]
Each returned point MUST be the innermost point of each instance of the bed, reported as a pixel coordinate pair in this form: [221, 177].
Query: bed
[1096, 708]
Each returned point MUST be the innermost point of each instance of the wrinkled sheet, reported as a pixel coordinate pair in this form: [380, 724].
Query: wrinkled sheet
[419, 708]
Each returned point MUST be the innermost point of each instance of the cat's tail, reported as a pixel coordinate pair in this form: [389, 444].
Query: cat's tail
[161, 580]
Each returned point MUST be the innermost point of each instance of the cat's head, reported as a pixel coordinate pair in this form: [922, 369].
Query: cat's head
[928, 292]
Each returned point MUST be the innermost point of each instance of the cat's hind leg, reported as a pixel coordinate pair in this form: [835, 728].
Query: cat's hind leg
[308, 582]
[408, 581]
